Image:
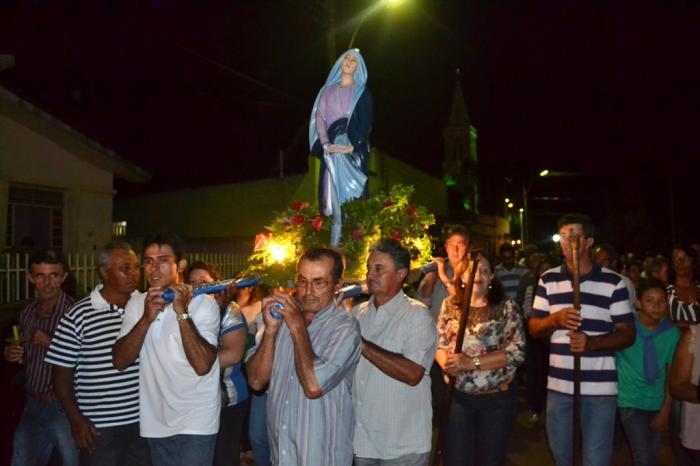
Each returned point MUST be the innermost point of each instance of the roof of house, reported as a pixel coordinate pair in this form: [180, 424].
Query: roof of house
[36, 119]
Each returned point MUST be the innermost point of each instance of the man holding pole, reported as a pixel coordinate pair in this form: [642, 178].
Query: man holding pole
[604, 324]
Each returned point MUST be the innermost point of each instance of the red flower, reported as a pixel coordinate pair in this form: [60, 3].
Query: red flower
[411, 212]
[396, 236]
[356, 234]
[317, 223]
[298, 205]
[298, 220]
[388, 203]
[261, 239]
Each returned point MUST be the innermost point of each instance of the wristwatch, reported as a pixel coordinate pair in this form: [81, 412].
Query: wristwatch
[477, 363]
[183, 316]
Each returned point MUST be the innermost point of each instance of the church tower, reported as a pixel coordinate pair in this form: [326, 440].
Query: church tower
[460, 159]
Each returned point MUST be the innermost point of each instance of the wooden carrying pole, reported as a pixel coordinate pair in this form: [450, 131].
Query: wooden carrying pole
[465, 303]
[573, 240]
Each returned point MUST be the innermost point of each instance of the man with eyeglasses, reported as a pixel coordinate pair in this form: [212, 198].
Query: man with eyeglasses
[176, 344]
[308, 356]
[391, 389]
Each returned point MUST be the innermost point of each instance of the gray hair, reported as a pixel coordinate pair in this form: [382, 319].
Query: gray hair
[103, 260]
[399, 254]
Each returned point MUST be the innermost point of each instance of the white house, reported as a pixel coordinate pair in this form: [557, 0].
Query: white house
[56, 185]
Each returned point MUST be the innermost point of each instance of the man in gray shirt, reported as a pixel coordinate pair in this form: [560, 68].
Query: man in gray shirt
[308, 357]
[391, 388]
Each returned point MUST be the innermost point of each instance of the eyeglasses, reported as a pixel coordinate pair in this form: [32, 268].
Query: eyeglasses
[317, 284]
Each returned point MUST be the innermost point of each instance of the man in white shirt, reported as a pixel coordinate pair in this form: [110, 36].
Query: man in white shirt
[179, 370]
[391, 388]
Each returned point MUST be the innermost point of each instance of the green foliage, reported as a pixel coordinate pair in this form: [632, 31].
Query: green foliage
[300, 227]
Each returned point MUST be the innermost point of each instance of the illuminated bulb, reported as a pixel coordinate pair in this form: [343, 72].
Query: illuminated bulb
[556, 238]
[277, 252]
[510, 205]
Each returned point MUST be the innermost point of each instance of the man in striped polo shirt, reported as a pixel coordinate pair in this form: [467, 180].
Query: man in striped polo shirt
[604, 325]
[508, 271]
[102, 404]
[43, 425]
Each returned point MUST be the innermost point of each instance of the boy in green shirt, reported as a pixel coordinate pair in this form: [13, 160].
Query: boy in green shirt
[643, 399]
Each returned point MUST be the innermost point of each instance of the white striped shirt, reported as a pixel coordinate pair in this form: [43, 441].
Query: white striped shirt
[304, 431]
[83, 342]
[604, 303]
[510, 279]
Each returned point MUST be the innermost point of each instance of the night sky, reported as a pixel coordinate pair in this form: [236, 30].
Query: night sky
[203, 96]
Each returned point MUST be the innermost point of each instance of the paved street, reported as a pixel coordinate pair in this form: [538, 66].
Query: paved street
[529, 445]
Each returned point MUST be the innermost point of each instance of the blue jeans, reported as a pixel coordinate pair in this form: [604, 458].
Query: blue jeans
[644, 441]
[257, 429]
[43, 427]
[183, 450]
[479, 428]
[597, 428]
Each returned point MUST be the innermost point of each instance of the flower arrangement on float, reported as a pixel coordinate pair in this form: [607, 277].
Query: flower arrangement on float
[300, 227]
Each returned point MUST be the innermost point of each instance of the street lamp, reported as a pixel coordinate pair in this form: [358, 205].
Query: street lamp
[368, 12]
[525, 216]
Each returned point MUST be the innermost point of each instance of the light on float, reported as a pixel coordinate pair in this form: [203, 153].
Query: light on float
[556, 238]
[279, 251]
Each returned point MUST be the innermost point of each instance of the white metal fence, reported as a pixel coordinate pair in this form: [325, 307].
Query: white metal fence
[14, 285]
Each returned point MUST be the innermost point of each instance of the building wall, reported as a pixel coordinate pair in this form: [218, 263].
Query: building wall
[29, 159]
[241, 210]
[216, 212]
[387, 171]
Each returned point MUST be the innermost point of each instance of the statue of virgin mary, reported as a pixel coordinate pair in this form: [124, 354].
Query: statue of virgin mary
[341, 120]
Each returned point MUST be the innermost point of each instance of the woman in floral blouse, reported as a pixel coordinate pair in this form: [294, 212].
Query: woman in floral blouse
[484, 407]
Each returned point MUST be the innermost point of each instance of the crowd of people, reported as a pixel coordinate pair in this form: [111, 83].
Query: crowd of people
[303, 377]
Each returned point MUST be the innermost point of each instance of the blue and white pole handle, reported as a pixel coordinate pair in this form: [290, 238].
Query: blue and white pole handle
[429, 267]
[215, 287]
[347, 291]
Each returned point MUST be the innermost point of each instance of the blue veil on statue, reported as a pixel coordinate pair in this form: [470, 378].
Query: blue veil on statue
[341, 116]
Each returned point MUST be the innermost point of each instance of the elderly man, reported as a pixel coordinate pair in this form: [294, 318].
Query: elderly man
[604, 324]
[432, 290]
[178, 370]
[391, 388]
[308, 357]
[43, 425]
[102, 403]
